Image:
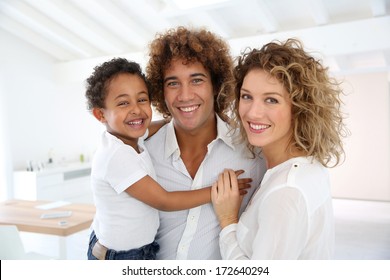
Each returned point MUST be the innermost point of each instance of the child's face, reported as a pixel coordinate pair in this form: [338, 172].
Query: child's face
[127, 113]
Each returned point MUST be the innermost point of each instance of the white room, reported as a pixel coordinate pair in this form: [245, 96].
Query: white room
[45, 124]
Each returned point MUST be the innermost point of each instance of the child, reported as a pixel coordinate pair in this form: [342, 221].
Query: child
[123, 178]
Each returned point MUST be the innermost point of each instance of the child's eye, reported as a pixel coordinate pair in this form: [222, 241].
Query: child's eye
[143, 100]
[123, 103]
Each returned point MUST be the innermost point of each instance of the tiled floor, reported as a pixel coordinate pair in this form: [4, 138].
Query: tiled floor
[362, 232]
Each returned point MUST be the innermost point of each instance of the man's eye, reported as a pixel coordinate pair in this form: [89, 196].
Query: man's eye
[172, 84]
[197, 81]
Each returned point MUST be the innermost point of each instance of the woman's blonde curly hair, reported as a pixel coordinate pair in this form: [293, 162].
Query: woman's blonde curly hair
[191, 45]
[316, 105]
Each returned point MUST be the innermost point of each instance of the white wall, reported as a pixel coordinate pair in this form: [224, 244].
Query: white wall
[366, 171]
[5, 164]
[41, 114]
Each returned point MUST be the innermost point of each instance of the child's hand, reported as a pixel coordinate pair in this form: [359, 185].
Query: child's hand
[243, 183]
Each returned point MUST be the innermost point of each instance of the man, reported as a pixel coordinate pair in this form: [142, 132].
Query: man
[191, 76]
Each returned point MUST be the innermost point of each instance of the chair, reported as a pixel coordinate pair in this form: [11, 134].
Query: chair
[12, 248]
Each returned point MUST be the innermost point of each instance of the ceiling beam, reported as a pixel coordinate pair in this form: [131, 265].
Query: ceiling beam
[318, 11]
[71, 19]
[151, 8]
[343, 62]
[25, 34]
[171, 9]
[335, 39]
[378, 7]
[113, 20]
[265, 16]
[58, 23]
[204, 19]
[84, 26]
[21, 21]
[131, 31]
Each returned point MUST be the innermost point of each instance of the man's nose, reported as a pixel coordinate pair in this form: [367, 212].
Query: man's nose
[186, 93]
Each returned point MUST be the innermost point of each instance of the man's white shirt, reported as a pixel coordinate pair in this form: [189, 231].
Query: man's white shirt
[194, 233]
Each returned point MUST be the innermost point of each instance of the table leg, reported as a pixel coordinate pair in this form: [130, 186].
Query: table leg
[62, 247]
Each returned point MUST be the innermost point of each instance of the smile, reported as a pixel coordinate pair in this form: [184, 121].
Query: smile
[188, 109]
[258, 127]
[135, 122]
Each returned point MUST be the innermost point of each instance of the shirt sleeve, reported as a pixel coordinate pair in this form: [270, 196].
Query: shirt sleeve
[280, 229]
[125, 169]
[230, 250]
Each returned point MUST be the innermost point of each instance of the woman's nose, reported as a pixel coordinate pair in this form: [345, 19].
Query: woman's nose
[256, 109]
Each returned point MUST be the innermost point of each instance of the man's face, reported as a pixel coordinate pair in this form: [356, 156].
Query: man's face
[188, 93]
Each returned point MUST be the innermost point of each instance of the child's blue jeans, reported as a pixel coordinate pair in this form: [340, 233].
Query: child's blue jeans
[147, 252]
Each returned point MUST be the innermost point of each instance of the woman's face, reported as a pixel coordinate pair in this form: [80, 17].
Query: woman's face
[265, 111]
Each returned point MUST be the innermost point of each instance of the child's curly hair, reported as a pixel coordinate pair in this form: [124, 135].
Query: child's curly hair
[100, 79]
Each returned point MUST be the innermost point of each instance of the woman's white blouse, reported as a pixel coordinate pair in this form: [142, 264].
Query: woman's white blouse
[289, 217]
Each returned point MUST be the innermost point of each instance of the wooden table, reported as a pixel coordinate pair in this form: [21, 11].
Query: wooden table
[27, 217]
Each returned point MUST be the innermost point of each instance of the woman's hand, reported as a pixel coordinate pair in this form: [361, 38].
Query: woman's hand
[226, 198]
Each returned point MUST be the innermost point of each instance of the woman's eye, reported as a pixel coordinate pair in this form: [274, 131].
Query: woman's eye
[271, 100]
[245, 97]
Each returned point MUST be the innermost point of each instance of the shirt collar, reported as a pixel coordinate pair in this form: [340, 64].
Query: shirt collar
[108, 137]
[223, 133]
[171, 145]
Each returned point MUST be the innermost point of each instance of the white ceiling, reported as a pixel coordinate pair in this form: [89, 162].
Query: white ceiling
[352, 35]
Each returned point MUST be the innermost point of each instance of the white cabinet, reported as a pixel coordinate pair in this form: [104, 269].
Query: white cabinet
[69, 182]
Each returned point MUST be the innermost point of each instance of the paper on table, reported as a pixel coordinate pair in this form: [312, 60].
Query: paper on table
[53, 205]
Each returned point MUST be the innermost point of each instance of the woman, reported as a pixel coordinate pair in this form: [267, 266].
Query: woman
[285, 104]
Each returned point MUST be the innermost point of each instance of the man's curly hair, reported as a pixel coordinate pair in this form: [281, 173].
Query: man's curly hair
[316, 116]
[195, 45]
[98, 82]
